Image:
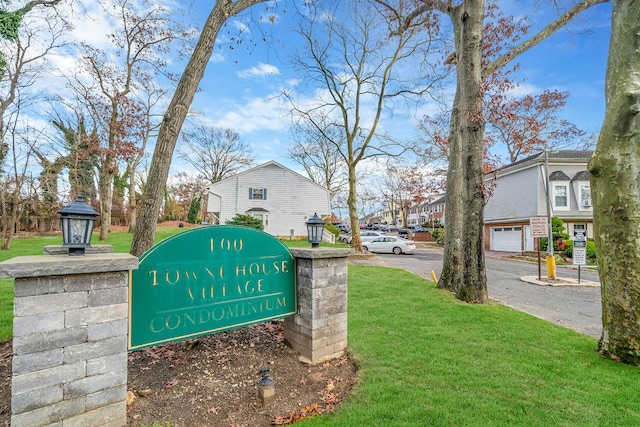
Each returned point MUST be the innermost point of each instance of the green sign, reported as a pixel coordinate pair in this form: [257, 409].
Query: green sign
[209, 279]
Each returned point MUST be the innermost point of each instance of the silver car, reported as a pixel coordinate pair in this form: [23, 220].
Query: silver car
[365, 236]
[390, 245]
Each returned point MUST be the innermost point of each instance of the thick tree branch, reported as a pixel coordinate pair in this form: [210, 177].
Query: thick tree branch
[27, 7]
[543, 34]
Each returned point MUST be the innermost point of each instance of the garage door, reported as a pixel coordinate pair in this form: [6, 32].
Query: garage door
[508, 239]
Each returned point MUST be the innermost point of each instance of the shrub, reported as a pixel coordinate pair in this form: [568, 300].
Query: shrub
[557, 230]
[247, 221]
[194, 208]
[568, 251]
[591, 249]
[333, 230]
[438, 235]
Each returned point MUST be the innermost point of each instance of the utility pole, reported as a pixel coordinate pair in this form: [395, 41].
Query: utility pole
[551, 261]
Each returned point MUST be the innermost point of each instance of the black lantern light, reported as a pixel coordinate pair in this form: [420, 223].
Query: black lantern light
[315, 227]
[77, 225]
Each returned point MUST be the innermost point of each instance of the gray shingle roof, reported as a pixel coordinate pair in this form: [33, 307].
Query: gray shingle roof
[553, 155]
[558, 176]
[582, 176]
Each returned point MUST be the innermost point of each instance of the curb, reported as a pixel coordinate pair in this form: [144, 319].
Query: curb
[560, 281]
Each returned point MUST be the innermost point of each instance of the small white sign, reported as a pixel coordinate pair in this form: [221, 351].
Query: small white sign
[579, 256]
[539, 227]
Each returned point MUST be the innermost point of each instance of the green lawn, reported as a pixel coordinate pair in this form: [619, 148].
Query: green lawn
[427, 359]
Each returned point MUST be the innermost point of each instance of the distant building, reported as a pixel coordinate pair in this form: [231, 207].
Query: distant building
[519, 192]
[281, 198]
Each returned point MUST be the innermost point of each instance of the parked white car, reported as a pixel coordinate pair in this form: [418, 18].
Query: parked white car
[365, 236]
[390, 245]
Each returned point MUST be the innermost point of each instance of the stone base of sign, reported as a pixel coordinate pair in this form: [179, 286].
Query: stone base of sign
[69, 339]
[94, 249]
[319, 331]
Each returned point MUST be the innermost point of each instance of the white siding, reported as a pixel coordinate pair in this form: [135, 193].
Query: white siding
[514, 196]
[291, 198]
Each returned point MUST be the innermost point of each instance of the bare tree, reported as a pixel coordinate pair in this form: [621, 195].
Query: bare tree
[348, 55]
[143, 36]
[615, 179]
[24, 50]
[320, 158]
[215, 153]
[152, 95]
[402, 186]
[173, 120]
[11, 20]
[17, 186]
[464, 264]
[182, 190]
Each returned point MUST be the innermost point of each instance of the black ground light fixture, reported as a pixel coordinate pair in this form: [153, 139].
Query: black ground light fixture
[77, 219]
[315, 227]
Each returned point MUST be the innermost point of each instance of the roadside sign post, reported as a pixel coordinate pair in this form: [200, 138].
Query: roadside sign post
[539, 229]
[579, 249]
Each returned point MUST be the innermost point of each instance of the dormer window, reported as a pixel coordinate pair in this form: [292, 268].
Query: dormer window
[582, 189]
[585, 196]
[560, 199]
[559, 190]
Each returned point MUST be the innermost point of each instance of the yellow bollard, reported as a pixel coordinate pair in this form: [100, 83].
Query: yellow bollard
[433, 274]
[551, 267]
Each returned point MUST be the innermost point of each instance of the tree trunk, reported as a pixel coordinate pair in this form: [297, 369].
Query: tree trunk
[133, 206]
[106, 199]
[356, 241]
[615, 184]
[152, 197]
[464, 265]
[12, 225]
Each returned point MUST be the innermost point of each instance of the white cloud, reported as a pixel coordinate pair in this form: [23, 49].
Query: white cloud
[260, 70]
[524, 89]
[256, 114]
[94, 27]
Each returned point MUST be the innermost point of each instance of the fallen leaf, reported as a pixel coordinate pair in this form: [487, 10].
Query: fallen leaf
[171, 383]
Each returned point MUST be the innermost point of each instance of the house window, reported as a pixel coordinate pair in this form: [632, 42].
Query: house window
[585, 196]
[258, 193]
[560, 196]
[264, 218]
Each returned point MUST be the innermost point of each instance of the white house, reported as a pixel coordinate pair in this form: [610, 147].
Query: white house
[519, 192]
[283, 199]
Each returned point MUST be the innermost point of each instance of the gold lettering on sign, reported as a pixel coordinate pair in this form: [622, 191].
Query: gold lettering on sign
[177, 277]
[226, 244]
[154, 274]
[220, 312]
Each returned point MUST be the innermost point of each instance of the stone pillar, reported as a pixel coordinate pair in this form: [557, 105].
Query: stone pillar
[69, 339]
[319, 331]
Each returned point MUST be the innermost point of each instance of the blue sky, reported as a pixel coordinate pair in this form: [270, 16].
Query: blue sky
[240, 86]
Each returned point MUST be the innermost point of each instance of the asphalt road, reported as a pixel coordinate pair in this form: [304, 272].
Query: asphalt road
[574, 307]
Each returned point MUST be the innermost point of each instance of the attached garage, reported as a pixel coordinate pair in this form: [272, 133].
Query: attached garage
[507, 239]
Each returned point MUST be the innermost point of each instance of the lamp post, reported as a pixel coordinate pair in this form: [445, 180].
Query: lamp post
[315, 227]
[266, 390]
[77, 219]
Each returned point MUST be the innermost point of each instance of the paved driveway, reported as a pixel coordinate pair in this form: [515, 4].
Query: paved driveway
[575, 307]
